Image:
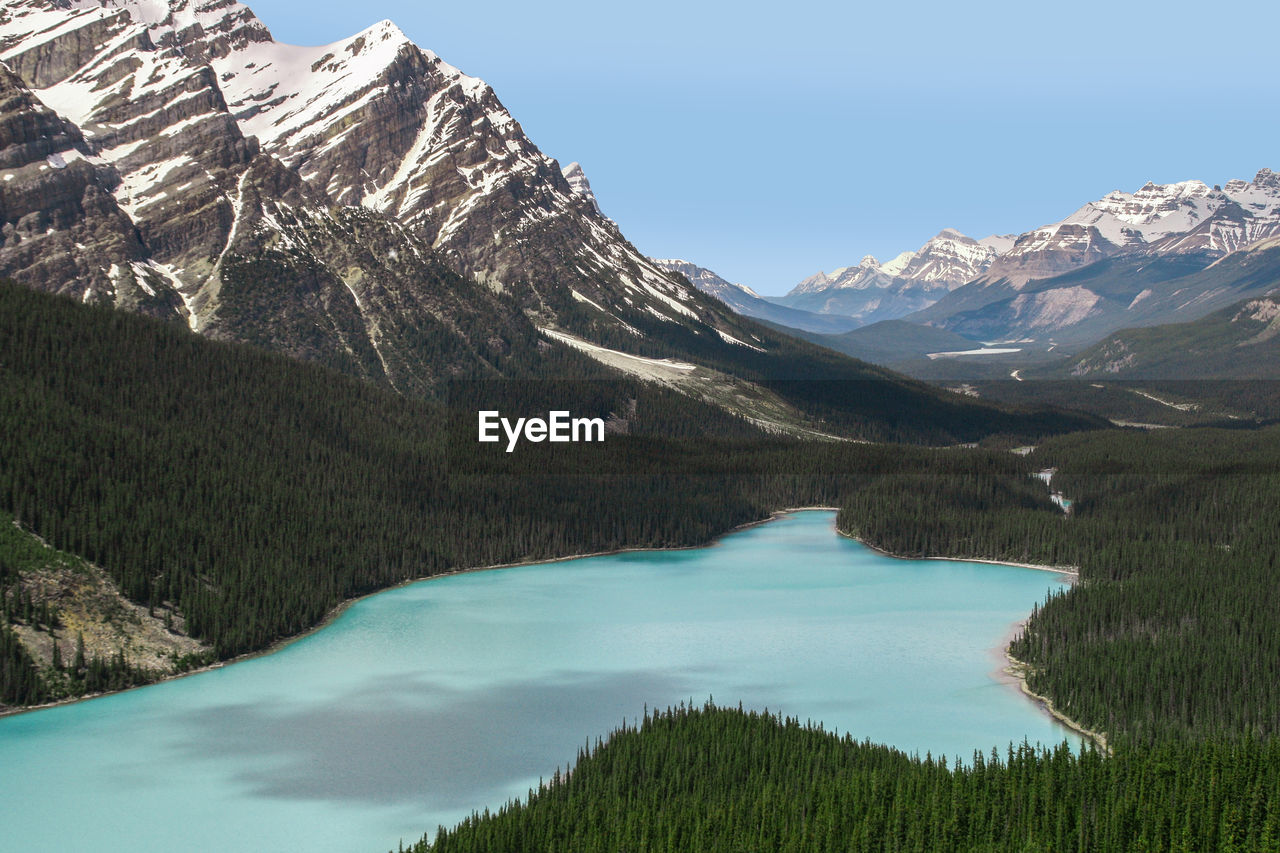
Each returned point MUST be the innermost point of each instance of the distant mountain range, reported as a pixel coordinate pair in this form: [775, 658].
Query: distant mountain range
[746, 301]
[872, 291]
[1164, 254]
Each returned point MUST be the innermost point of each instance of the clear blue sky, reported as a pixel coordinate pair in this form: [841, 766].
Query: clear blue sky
[770, 141]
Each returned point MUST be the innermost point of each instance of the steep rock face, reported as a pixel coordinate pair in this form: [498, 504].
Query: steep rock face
[579, 184]
[353, 289]
[378, 122]
[61, 225]
[133, 78]
[179, 98]
[157, 201]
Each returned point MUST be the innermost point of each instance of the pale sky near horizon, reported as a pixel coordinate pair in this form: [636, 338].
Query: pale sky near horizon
[768, 142]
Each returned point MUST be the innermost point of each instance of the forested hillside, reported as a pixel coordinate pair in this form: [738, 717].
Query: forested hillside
[728, 780]
[249, 494]
[1177, 537]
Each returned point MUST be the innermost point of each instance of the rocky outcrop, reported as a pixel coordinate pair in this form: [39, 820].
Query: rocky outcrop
[61, 225]
[579, 184]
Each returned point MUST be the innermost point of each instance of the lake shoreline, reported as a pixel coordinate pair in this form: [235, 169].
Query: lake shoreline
[337, 610]
[1014, 672]
[340, 608]
[1071, 572]
[1017, 672]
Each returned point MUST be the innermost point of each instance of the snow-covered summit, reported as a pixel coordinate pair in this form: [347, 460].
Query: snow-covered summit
[1187, 216]
[949, 258]
[911, 280]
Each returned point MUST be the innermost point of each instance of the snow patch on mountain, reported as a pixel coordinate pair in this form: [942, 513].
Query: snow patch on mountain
[1001, 243]
[664, 370]
[278, 91]
[950, 258]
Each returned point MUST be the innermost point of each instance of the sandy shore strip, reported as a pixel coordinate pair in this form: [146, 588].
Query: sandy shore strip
[1016, 671]
[1013, 671]
[1071, 572]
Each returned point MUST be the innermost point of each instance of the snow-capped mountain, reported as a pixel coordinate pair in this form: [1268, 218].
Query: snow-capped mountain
[1162, 219]
[872, 291]
[707, 281]
[1186, 225]
[367, 206]
[160, 152]
[1126, 259]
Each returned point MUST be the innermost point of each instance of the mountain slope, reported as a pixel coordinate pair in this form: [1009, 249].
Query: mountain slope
[746, 301]
[179, 100]
[1079, 307]
[1241, 341]
[1185, 217]
[1095, 271]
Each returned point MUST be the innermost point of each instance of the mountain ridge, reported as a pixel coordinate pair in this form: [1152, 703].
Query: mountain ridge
[1187, 219]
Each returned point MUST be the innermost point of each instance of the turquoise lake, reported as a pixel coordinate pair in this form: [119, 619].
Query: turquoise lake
[425, 702]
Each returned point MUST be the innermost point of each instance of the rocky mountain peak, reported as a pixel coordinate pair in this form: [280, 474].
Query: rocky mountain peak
[580, 185]
[192, 161]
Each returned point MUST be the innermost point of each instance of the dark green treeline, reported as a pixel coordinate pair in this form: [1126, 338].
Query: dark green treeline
[728, 780]
[1176, 534]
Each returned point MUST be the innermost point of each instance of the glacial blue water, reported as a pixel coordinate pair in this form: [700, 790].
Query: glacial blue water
[425, 702]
